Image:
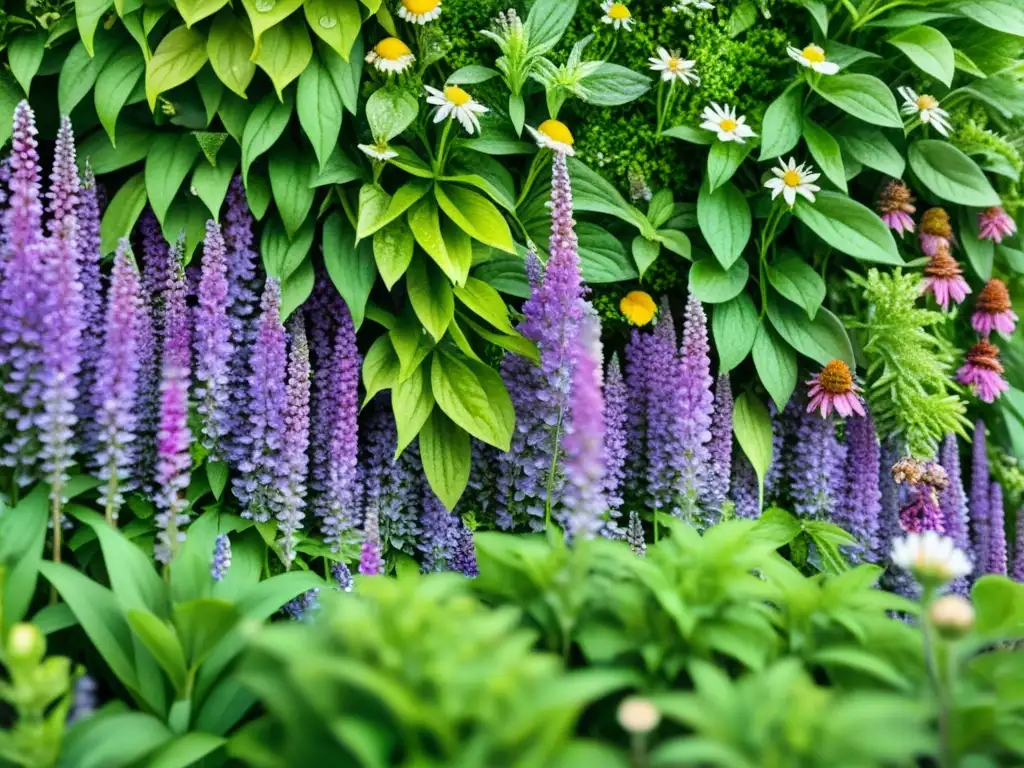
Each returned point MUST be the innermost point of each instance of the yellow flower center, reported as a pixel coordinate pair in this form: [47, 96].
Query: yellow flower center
[556, 131]
[790, 178]
[457, 96]
[392, 49]
[674, 64]
[728, 124]
[420, 6]
[637, 307]
[619, 12]
[813, 54]
[924, 101]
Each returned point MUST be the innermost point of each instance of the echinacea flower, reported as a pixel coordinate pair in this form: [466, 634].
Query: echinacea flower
[722, 120]
[834, 388]
[994, 224]
[379, 151]
[944, 278]
[455, 102]
[673, 67]
[638, 307]
[931, 557]
[813, 56]
[895, 206]
[420, 11]
[982, 372]
[390, 55]
[617, 14]
[792, 180]
[994, 311]
[554, 135]
[925, 107]
[935, 231]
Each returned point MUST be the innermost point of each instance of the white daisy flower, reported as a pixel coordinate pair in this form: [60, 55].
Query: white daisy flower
[552, 134]
[927, 108]
[931, 557]
[391, 55]
[455, 102]
[617, 14]
[420, 11]
[723, 121]
[813, 56]
[792, 180]
[674, 67]
[682, 6]
[379, 151]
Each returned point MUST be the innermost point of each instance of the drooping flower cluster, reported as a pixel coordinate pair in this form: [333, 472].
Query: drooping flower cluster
[943, 278]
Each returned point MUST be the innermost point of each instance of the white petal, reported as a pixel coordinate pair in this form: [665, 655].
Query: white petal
[826, 67]
[789, 195]
[806, 190]
[809, 177]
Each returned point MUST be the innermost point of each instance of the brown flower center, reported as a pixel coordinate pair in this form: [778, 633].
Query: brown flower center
[994, 297]
[985, 355]
[836, 378]
[936, 222]
[942, 265]
[896, 197]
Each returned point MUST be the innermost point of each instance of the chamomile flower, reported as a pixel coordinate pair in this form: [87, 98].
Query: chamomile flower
[617, 14]
[925, 107]
[931, 557]
[792, 180]
[672, 66]
[379, 151]
[420, 11]
[724, 122]
[455, 102]
[390, 55]
[555, 135]
[813, 56]
[684, 6]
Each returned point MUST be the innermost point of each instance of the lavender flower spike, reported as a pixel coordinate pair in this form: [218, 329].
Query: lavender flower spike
[1018, 554]
[371, 561]
[221, 558]
[996, 560]
[859, 507]
[24, 215]
[743, 488]
[295, 455]
[979, 500]
[663, 408]
[88, 213]
[816, 466]
[440, 538]
[214, 347]
[464, 557]
[616, 445]
[342, 575]
[694, 415]
[953, 504]
[716, 487]
[64, 185]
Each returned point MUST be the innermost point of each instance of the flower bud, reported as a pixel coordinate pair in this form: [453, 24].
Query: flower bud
[25, 645]
[638, 715]
[952, 615]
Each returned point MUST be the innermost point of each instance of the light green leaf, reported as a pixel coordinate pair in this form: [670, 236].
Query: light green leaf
[188, 215]
[825, 151]
[675, 241]
[345, 74]
[713, 284]
[863, 96]
[340, 169]
[929, 50]
[183, 751]
[230, 48]
[981, 253]
[1000, 15]
[389, 111]
[262, 20]
[284, 53]
[783, 122]
[392, 250]
[645, 253]
[380, 367]
[350, 267]
[211, 182]
[723, 160]
[133, 145]
[474, 397]
[424, 221]
[88, 13]
[797, 281]
[167, 164]
[377, 208]
[176, 60]
[485, 302]
[547, 22]
[775, 362]
[733, 326]
[870, 147]
[823, 339]
[693, 135]
[752, 425]
[25, 54]
[431, 296]
[472, 74]
[194, 10]
[291, 179]
[319, 107]
[297, 287]
[412, 403]
[410, 341]
[591, 192]
[725, 221]
[264, 126]
[282, 254]
[849, 227]
[447, 454]
[10, 96]
[122, 212]
[115, 84]
[612, 85]
[950, 174]
[477, 216]
[336, 22]
[161, 641]
[257, 194]
[80, 70]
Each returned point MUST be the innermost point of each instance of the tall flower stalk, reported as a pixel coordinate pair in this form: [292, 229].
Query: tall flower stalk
[88, 213]
[616, 443]
[696, 403]
[953, 503]
[295, 454]
[720, 448]
[214, 346]
[859, 508]
[979, 499]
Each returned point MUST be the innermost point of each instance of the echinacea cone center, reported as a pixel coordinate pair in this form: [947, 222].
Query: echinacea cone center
[994, 297]
[936, 222]
[813, 54]
[836, 378]
[457, 96]
[392, 49]
[619, 12]
[556, 131]
[985, 355]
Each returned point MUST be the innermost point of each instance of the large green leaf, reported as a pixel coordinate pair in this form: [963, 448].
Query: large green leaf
[265, 15]
[474, 397]
[412, 403]
[336, 22]
[849, 227]
[351, 267]
[88, 14]
[230, 48]
[167, 164]
[122, 212]
[823, 339]
[263, 127]
[929, 50]
[870, 147]
[981, 253]
[114, 739]
[381, 367]
[25, 54]
[752, 425]
[602, 257]
[389, 111]
[319, 107]
[593, 193]
[775, 362]
[281, 254]
[733, 326]
[612, 85]
[425, 223]
[863, 96]
[202, 623]
[475, 215]
[431, 296]
[194, 10]
[291, 179]
[713, 284]
[284, 53]
[446, 453]
[1000, 15]
[176, 60]
[782, 124]
[184, 751]
[80, 70]
[211, 182]
[10, 95]
[22, 534]
[393, 247]
[950, 174]
[723, 160]
[115, 85]
[825, 151]
[797, 281]
[345, 74]
[485, 302]
[547, 22]
[725, 221]
[161, 641]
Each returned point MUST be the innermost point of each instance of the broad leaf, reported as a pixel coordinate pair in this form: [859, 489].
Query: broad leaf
[350, 267]
[823, 339]
[176, 60]
[863, 96]
[775, 362]
[733, 326]
[446, 453]
[284, 54]
[713, 284]
[929, 50]
[780, 130]
[950, 174]
[725, 221]
[849, 227]
[230, 49]
[797, 281]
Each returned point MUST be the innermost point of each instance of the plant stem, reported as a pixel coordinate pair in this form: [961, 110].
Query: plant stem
[55, 516]
[439, 162]
[931, 650]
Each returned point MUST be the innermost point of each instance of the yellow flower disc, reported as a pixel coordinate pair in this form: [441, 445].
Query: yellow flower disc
[392, 49]
[638, 307]
[556, 131]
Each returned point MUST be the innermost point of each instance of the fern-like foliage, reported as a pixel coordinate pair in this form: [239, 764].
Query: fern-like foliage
[909, 370]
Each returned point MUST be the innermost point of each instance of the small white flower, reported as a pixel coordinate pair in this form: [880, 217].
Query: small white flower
[723, 121]
[792, 180]
[927, 108]
[930, 557]
[813, 56]
[683, 6]
[390, 55]
[555, 135]
[453, 101]
[420, 11]
[673, 67]
[379, 151]
[617, 14]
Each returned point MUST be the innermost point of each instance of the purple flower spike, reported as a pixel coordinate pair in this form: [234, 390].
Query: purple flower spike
[64, 185]
[953, 503]
[663, 416]
[816, 468]
[743, 488]
[996, 560]
[635, 535]
[922, 513]
[441, 534]
[92, 305]
[24, 215]
[295, 455]
[343, 576]
[697, 404]
[214, 347]
[371, 560]
[859, 507]
[616, 443]
[1018, 555]
[979, 501]
[720, 448]
[321, 309]
[393, 487]
[221, 558]
[464, 557]
[637, 386]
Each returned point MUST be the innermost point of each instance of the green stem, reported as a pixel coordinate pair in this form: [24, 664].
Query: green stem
[56, 517]
[931, 650]
[441, 148]
[531, 176]
[110, 506]
[660, 111]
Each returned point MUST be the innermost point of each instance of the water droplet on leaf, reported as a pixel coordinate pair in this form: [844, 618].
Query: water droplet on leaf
[264, 6]
[328, 22]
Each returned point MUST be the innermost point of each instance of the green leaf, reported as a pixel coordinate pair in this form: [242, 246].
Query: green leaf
[282, 254]
[472, 74]
[264, 127]
[775, 362]
[783, 122]
[411, 344]
[823, 339]
[475, 215]
[645, 253]
[547, 22]
[340, 169]
[1000, 15]
[194, 10]
[257, 194]
[180, 55]
[512, 342]
[602, 257]
[291, 180]
[22, 534]
[122, 212]
[188, 215]
[377, 208]
[202, 623]
[825, 151]
[262, 20]
[431, 296]
[797, 281]
[675, 241]
[870, 147]
[485, 302]
[693, 135]
[115, 85]
[424, 221]
[733, 326]
[167, 164]
[10, 95]
[336, 22]
[412, 403]
[217, 474]
[723, 160]
[849, 227]
[79, 73]
[345, 74]
[297, 287]
[591, 192]
[350, 267]
[981, 253]
[819, 12]
[929, 50]
[863, 96]
[186, 750]
[284, 53]
[319, 107]
[25, 54]
[230, 48]
[211, 91]
[950, 174]
[392, 250]
[725, 221]
[161, 641]
[114, 739]
[446, 453]
[380, 367]
[474, 397]
[713, 284]
[507, 274]
[752, 425]
[389, 111]
[211, 182]
[612, 85]
[88, 13]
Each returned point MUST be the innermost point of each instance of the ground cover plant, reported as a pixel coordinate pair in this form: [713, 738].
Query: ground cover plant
[553, 383]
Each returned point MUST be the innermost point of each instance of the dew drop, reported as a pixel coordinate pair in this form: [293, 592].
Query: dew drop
[265, 6]
[328, 22]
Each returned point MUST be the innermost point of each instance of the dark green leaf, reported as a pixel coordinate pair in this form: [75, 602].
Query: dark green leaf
[798, 282]
[775, 362]
[734, 325]
[950, 174]
[929, 50]
[783, 122]
[351, 268]
[849, 227]
[823, 339]
[712, 284]
[725, 221]
[863, 96]
[446, 453]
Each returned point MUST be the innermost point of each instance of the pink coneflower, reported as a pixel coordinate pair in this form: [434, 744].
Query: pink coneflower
[994, 224]
[935, 230]
[834, 388]
[994, 311]
[895, 206]
[943, 278]
[983, 372]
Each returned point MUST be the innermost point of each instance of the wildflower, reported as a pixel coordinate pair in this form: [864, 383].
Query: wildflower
[295, 443]
[815, 467]
[673, 67]
[980, 490]
[895, 206]
[792, 180]
[638, 715]
[995, 560]
[1018, 557]
[635, 535]
[221, 557]
[371, 559]
[743, 490]
[617, 14]
[553, 135]
[994, 311]
[994, 224]
[342, 576]
[953, 502]
[723, 121]
[616, 442]
[302, 607]
[390, 55]
[944, 278]
[214, 345]
[931, 557]
[982, 372]
[813, 56]
[952, 615]
[455, 102]
[420, 11]
[464, 558]
[860, 507]
[88, 214]
[378, 151]
[392, 487]
[925, 107]
[440, 532]
[638, 307]
[834, 388]
[637, 379]
[716, 488]
[921, 513]
[696, 405]
[935, 231]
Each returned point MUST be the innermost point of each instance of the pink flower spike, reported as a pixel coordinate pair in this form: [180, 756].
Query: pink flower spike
[994, 224]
